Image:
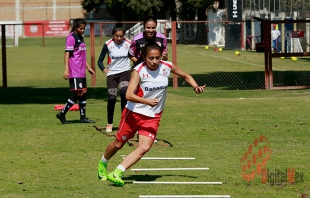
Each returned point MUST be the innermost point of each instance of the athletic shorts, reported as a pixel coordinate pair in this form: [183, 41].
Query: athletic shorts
[132, 122]
[113, 81]
[77, 84]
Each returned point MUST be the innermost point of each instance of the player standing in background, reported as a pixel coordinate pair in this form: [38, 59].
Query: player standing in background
[75, 70]
[146, 95]
[148, 35]
[118, 69]
[275, 34]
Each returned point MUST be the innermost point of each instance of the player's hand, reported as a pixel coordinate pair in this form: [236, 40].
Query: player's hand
[199, 89]
[152, 102]
[164, 56]
[91, 72]
[66, 75]
[105, 71]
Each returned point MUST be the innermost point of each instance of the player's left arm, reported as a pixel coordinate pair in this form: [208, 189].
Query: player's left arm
[188, 78]
[90, 70]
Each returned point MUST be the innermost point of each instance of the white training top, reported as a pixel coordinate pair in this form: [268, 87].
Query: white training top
[153, 84]
[118, 60]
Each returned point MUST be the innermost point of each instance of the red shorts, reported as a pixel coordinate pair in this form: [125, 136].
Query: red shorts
[132, 122]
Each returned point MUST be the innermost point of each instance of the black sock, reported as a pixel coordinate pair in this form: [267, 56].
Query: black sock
[82, 106]
[69, 103]
[111, 107]
[123, 97]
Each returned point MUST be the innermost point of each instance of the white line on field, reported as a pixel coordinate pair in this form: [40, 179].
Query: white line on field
[154, 182]
[166, 169]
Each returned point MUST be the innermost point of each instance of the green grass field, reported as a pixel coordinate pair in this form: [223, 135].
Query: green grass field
[42, 158]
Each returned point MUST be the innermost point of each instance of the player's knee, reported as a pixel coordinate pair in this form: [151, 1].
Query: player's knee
[111, 98]
[144, 148]
[118, 145]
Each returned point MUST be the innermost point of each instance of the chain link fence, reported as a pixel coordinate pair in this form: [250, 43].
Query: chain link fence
[221, 54]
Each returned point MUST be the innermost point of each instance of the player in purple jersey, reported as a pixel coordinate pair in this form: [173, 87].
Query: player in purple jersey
[146, 95]
[75, 71]
[148, 35]
[118, 69]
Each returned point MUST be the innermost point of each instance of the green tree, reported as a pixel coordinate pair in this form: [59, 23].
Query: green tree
[92, 5]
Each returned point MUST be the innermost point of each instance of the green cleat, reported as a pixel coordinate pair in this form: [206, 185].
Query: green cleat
[116, 177]
[102, 171]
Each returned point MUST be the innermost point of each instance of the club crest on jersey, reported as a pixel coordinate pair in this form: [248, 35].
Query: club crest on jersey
[80, 85]
[126, 46]
[145, 75]
[165, 72]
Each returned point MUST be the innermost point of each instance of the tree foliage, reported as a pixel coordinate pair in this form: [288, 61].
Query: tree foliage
[92, 5]
[133, 9]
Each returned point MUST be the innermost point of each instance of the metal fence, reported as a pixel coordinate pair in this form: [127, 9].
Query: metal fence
[222, 54]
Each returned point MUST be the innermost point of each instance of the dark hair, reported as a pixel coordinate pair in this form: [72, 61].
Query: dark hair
[118, 27]
[77, 22]
[149, 18]
[147, 47]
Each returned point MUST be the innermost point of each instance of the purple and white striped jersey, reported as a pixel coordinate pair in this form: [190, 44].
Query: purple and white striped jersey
[77, 59]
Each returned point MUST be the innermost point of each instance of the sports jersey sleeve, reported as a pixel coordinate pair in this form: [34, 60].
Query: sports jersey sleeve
[165, 45]
[104, 51]
[132, 48]
[70, 43]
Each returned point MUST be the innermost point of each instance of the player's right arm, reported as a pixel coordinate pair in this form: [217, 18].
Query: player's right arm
[103, 53]
[66, 61]
[131, 91]
[70, 42]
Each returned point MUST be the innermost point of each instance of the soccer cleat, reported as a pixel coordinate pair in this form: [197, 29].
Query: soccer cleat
[61, 117]
[102, 171]
[109, 128]
[116, 177]
[86, 120]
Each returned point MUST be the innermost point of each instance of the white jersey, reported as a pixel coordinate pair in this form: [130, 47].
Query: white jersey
[118, 60]
[153, 84]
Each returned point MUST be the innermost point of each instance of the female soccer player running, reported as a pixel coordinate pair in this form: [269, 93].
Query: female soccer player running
[75, 71]
[146, 95]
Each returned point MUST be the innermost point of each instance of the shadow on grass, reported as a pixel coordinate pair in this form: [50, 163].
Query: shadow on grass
[155, 176]
[219, 80]
[30, 95]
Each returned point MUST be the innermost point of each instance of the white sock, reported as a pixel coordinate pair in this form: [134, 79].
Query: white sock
[121, 168]
[104, 160]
